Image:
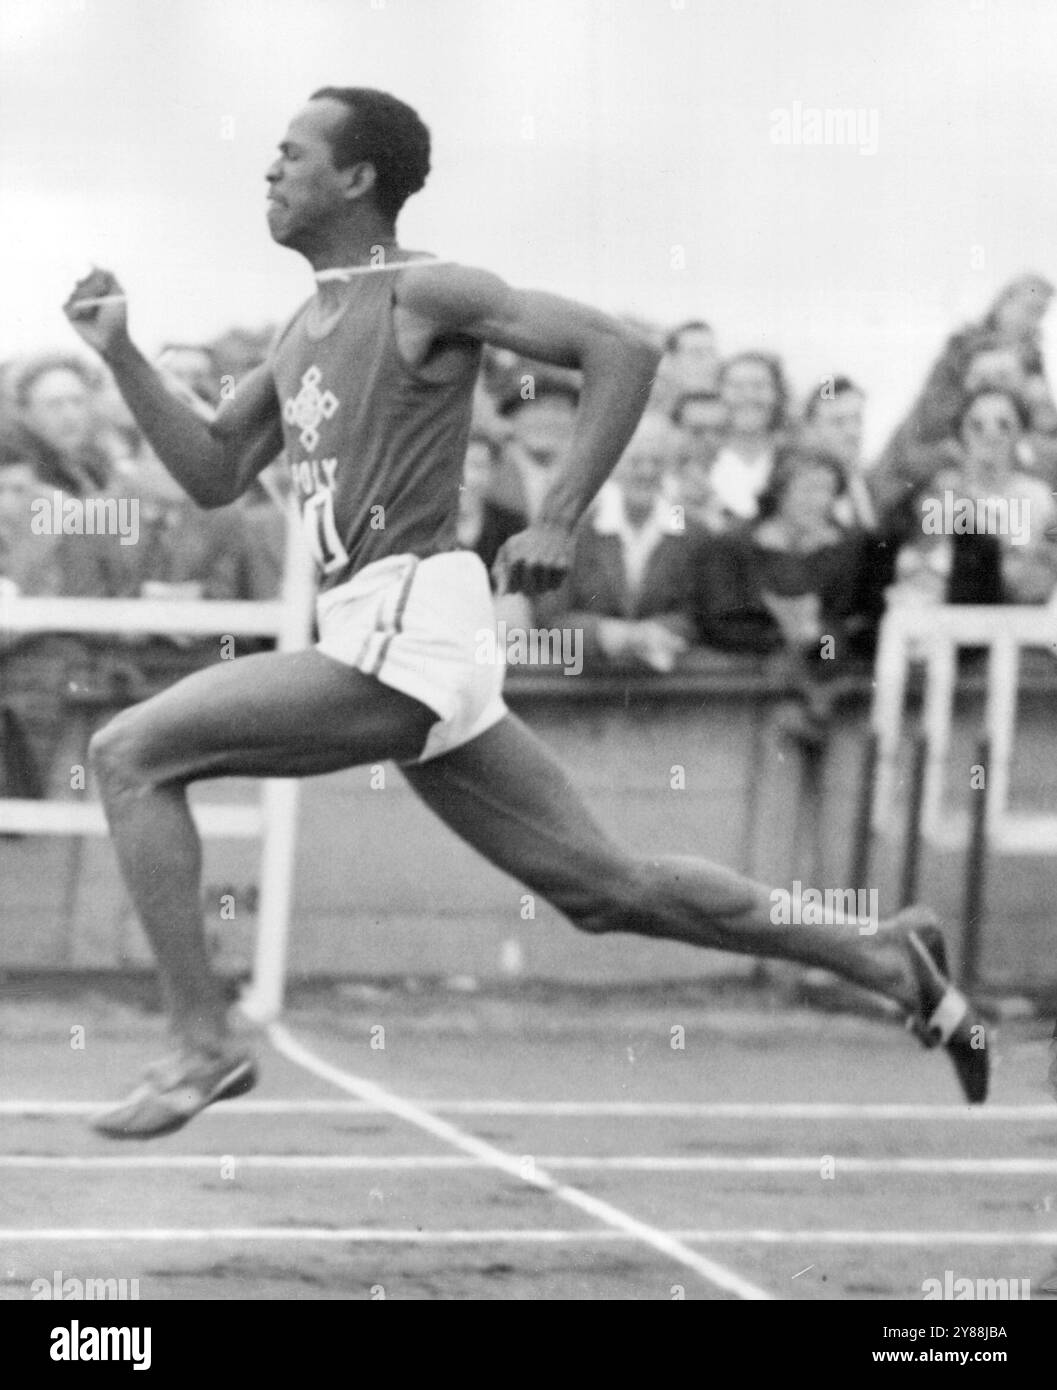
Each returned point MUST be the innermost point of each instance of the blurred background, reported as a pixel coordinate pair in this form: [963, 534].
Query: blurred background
[583, 146]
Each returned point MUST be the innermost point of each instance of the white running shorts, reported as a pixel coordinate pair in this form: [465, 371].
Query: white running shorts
[416, 625]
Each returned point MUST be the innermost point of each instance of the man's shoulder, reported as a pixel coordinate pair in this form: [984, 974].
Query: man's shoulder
[448, 291]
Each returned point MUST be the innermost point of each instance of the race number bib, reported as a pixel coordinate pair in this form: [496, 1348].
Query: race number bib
[317, 516]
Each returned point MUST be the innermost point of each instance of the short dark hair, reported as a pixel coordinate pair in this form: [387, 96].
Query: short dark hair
[384, 131]
[828, 390]
[37, 367]
[688, 398]
[671, 343]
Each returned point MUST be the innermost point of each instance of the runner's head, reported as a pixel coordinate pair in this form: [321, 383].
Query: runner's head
[352, 155]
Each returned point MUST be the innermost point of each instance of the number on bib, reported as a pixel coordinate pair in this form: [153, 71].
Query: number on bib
[322, 532]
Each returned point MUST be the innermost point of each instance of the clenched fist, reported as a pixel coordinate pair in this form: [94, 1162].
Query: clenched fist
[535, 560]
[98, 311]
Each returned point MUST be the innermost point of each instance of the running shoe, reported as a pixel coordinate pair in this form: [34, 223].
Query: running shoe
[945, 1016]
[174, 1090]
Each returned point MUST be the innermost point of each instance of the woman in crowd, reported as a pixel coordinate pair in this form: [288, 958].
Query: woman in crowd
[790, 579]
[981, 531]
[1003, 349]
[753, 389]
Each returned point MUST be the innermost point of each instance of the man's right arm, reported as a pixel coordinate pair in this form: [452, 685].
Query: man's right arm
[214, 461]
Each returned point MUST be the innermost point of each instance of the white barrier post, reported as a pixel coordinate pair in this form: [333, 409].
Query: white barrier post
[262, 1000]
[940, 632]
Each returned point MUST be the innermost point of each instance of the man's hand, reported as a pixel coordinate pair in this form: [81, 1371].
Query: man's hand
[98, 311]
[535, 560]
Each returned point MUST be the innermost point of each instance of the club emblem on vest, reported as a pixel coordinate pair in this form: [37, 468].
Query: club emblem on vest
[308, 407]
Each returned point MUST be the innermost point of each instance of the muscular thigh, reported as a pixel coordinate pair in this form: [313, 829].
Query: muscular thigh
[274, 715]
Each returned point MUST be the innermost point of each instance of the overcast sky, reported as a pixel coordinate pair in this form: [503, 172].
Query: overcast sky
[628, 152]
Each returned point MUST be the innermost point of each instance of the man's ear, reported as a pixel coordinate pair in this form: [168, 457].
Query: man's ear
[359, 179]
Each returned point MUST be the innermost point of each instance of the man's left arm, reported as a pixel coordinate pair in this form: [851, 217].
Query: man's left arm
[618, 367]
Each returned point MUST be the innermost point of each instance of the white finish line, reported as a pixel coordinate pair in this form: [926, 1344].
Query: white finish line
[532, 1174]
[688, 1110]
[367, 1235]
[618, 1163]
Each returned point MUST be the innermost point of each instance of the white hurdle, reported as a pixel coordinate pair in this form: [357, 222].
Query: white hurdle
[274, 818]
[933, 635]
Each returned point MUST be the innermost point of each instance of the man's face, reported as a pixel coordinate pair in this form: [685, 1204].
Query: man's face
[703, 426]
[305, 190]
[641, 471]
[59, 410]
[544, 428]
[837, 427]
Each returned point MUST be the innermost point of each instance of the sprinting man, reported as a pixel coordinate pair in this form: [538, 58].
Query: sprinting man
[368, 390]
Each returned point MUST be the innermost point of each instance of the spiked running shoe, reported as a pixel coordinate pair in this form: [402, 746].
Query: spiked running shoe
[946, 1016]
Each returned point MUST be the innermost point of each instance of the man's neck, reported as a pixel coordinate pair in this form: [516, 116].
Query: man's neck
[372, 243]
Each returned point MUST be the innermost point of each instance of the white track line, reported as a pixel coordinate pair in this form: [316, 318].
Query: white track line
[532, 1174]
[690, 1110]
[367, 1235]
[617, 1163]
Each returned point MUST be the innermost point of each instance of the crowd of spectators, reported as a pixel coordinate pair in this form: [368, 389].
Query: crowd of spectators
[739, 522]
[66, 434]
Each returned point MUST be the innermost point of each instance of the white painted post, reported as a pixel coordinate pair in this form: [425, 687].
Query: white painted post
[262, 1000]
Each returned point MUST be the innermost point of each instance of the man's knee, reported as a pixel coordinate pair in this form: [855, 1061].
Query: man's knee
[116, 754]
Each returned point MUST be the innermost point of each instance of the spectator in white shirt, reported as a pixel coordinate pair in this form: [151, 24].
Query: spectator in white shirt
[632, 586]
